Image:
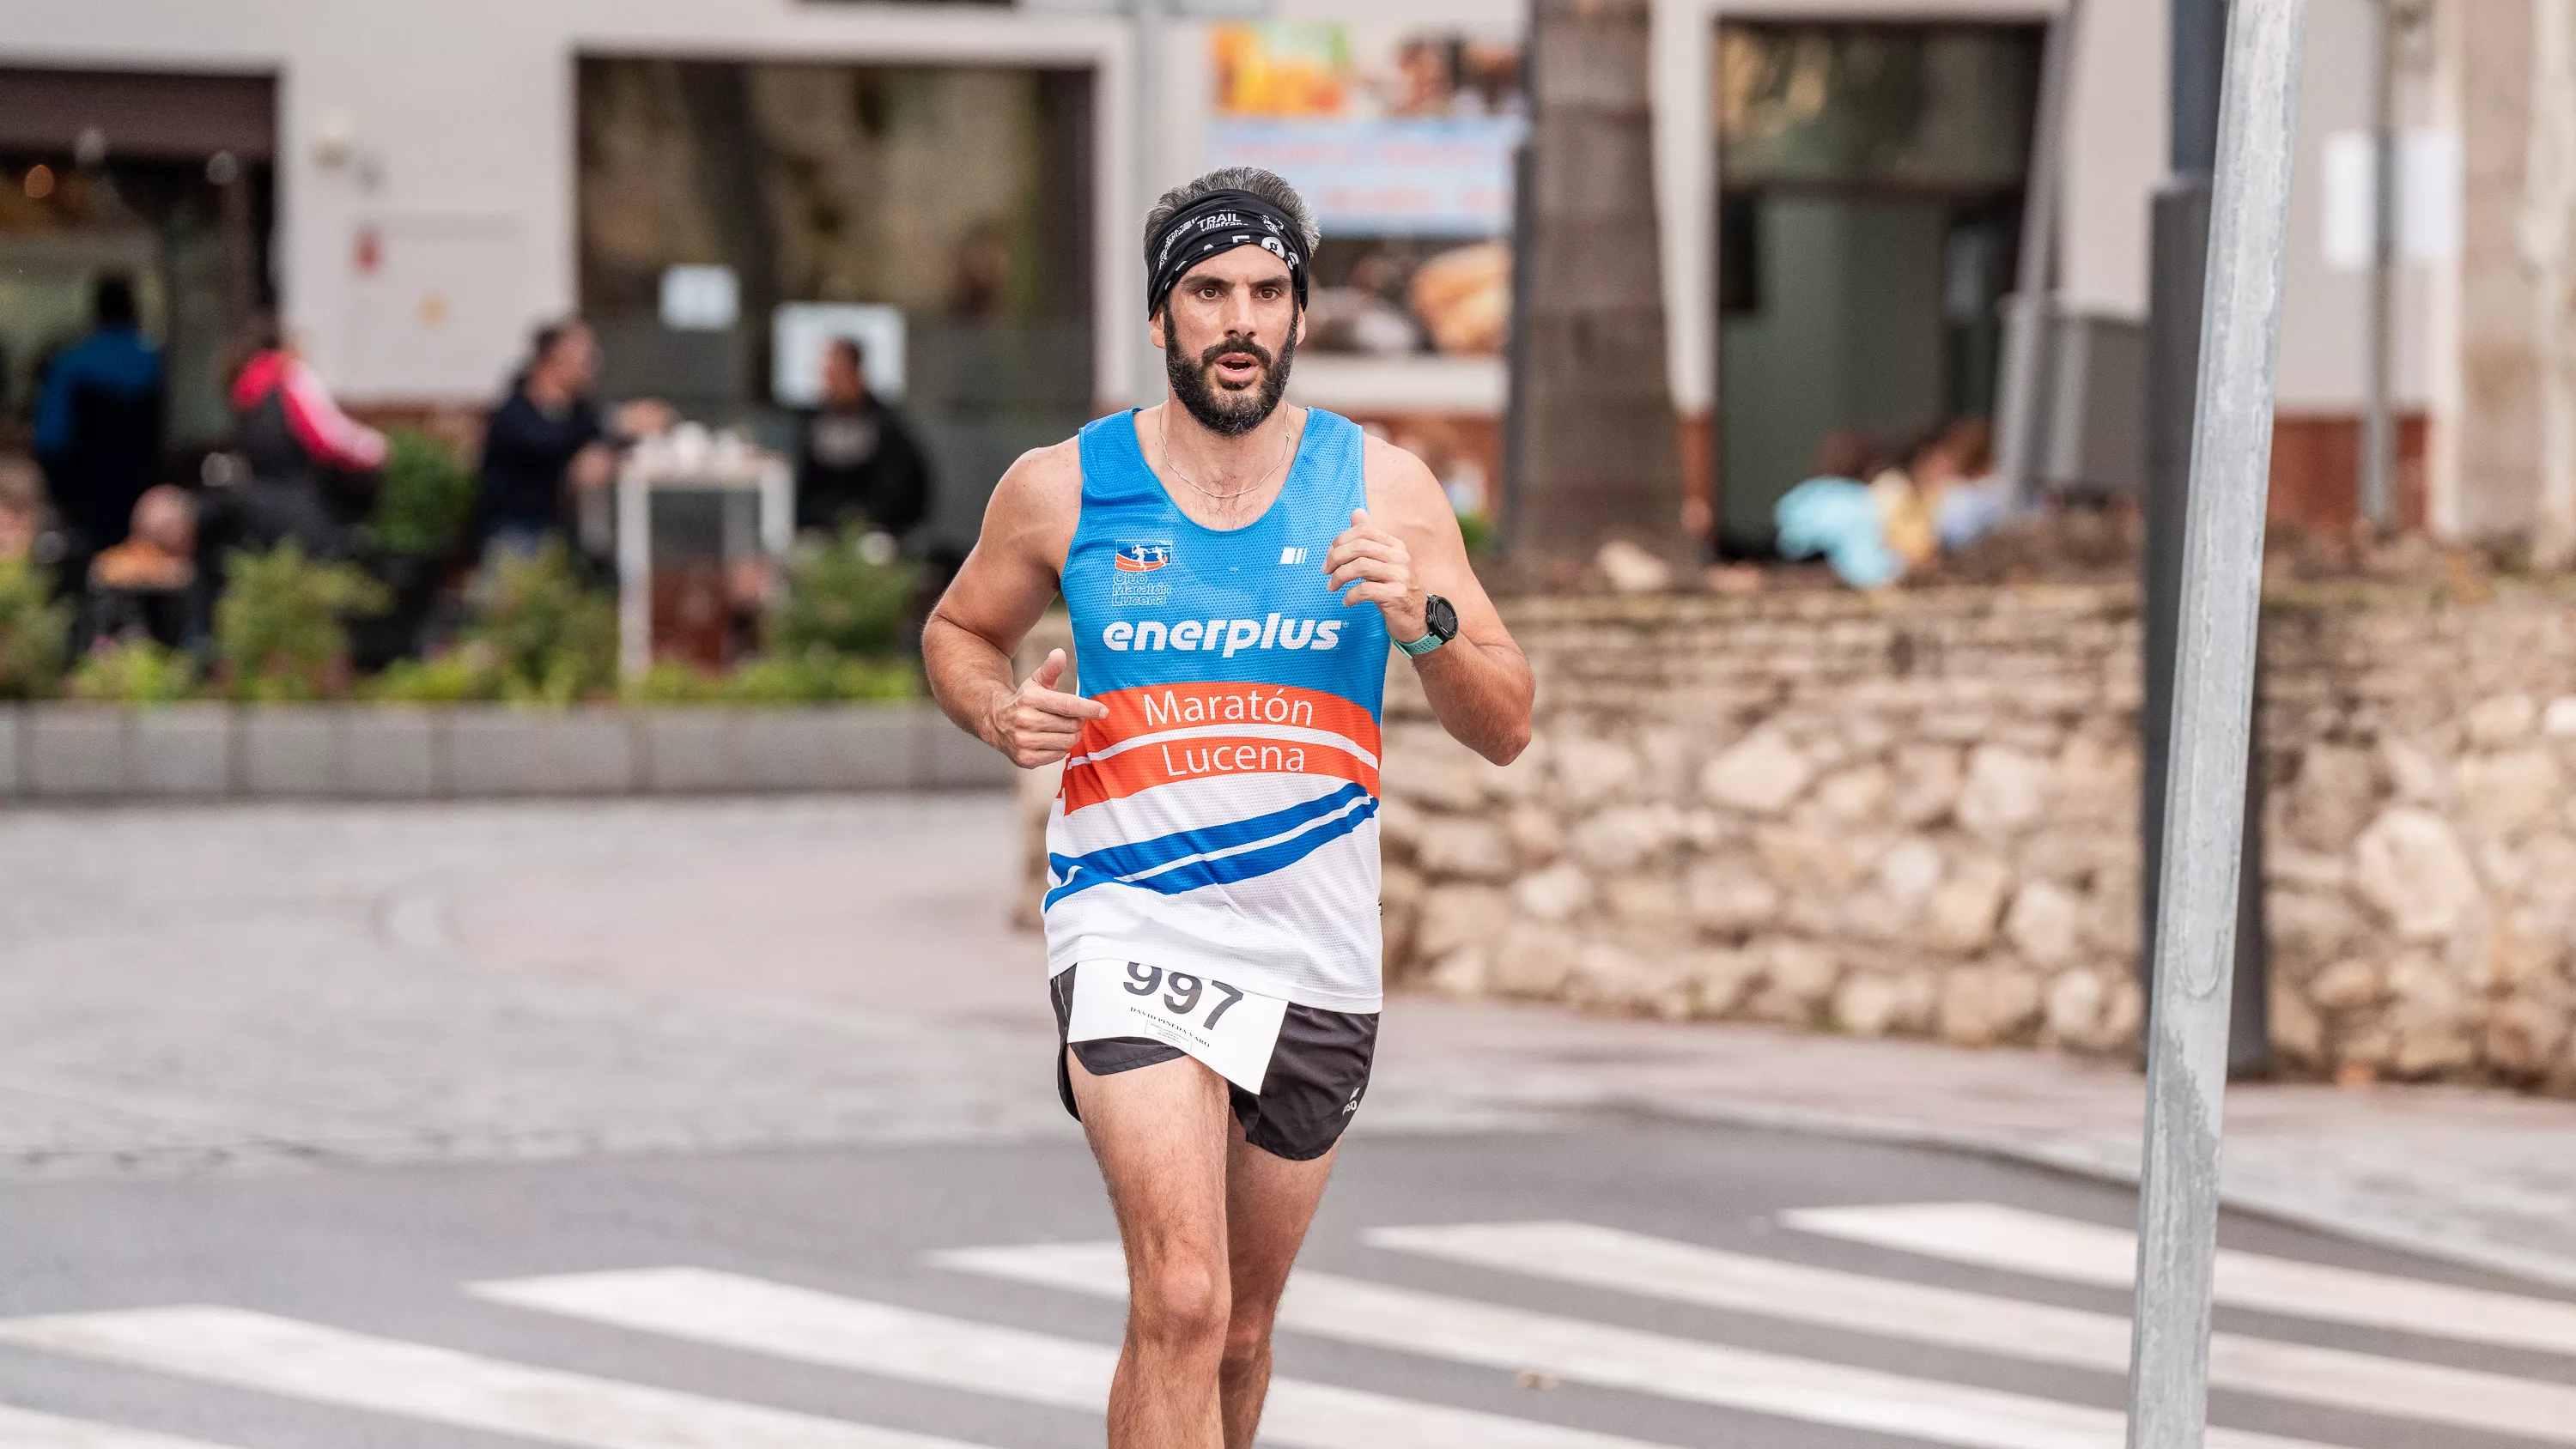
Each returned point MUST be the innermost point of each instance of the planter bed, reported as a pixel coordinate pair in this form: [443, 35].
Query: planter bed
[460, 752]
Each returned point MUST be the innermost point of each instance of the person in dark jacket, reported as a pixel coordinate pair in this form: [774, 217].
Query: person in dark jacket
[98, 423]
[548, 439]
[313, 469]
[855, 455]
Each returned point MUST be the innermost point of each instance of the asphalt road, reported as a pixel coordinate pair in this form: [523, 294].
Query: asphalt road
[356, 1269]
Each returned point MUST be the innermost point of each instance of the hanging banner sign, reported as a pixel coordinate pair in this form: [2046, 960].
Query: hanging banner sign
[1430, 177]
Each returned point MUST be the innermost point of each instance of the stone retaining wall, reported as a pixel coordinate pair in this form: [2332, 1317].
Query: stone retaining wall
[1917, 815]
[214, 751]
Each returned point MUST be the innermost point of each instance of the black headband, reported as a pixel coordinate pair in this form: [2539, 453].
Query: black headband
[1219, 222]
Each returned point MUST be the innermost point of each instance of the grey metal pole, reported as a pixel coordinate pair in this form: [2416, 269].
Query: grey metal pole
[2378, 432]
[2212, 724]
[1148, 14]
[2020, 414]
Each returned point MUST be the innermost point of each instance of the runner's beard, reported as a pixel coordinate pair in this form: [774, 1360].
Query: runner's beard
[1230, 412]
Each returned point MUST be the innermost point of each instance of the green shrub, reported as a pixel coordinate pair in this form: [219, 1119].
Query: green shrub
[460, 675]
[819, 679]
[846, 594]
[138, 671]
[35, 631]
[1477, 530]
[673, 683]
[814, 679]
[278, 631]
[551, 639]
[427, 496]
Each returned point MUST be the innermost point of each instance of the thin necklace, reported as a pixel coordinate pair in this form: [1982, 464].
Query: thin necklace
[1162, 439]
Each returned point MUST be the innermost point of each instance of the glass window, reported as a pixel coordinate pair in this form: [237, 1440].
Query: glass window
[1931, 106]
[960, 195]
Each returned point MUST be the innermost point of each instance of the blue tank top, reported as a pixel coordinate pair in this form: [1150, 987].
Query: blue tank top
[1223, 818]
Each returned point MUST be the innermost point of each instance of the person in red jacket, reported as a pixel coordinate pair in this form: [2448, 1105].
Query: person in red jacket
[312, 467]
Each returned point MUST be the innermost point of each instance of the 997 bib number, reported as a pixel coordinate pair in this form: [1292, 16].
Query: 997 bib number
[1186, 992]
[1232, 1030]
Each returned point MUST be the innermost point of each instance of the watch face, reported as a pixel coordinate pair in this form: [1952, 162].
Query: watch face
[1442, 617]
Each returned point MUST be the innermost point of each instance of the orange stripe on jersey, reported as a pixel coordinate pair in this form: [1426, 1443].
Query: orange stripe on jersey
[1187, 757]
[1151, 709]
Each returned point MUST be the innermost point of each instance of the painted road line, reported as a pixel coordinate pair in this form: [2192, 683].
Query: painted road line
[27, 1429]
[1989, 1235]
[1632, 1360]
[879, 1338]
[326, 1365]
[1891, 1308]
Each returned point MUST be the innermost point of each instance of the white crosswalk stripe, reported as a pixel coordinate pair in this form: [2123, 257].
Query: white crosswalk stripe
[327, 1365]
[1989, 1235]
[1655, 1267]
[26, 1429]
[294, 1361]
[1622, 1358]
[878, 1338]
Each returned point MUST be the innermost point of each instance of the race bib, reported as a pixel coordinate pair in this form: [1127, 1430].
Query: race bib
[1231, 1030]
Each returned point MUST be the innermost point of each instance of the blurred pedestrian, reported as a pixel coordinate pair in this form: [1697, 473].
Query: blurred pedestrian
[1978, 499]
[313, 469]
[855, 455]
[548, 441]
[98, 424]
[22, 507]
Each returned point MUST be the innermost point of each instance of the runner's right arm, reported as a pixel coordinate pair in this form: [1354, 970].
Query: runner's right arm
[999, 594]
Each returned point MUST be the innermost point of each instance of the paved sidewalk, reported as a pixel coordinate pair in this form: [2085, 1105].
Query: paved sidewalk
[264, 987]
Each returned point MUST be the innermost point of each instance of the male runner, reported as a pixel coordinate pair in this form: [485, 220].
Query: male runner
[1237, 573]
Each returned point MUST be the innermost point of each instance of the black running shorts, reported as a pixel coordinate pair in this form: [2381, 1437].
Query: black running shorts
[1317, 1073]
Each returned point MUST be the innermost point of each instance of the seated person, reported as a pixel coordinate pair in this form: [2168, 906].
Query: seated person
[146, 585]
[855, 455]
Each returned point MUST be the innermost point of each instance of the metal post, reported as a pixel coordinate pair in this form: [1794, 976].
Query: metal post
[2212, 724]
[2181, 252]
[1148, 389]
[2020, 430]
[2378, 450]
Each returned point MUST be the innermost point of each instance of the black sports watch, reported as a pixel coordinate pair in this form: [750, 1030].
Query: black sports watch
[1441, 618]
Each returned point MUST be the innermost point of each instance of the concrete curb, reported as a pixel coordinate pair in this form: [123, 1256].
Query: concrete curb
[90, 753]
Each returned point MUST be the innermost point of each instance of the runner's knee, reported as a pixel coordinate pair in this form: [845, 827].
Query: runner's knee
[1180, 1301]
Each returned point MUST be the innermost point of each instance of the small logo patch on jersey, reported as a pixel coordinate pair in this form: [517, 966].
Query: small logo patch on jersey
[1291, 556]
[1143, 558]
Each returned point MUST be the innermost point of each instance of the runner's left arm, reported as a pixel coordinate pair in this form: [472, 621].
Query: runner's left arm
[1400, 550]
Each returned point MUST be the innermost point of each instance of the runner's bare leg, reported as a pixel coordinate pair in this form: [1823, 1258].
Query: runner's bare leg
[1269, 1201]
[1161, 1134]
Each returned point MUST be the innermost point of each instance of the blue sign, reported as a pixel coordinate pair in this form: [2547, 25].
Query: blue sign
[1446, 177]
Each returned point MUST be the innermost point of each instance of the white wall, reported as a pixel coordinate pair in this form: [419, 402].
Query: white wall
[2117, 139]
[2323, 311]
[461, 118]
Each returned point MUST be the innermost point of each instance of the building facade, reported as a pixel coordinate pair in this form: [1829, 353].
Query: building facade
[433, 180]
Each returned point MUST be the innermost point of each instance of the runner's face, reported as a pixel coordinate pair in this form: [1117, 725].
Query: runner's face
[1229, 335]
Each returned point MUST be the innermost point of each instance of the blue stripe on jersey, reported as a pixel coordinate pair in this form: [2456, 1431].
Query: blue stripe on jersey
[1230, 868]
[1137, 857]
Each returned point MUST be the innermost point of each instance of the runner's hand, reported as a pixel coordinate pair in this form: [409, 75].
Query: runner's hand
[1383, 569]
[1037, 725]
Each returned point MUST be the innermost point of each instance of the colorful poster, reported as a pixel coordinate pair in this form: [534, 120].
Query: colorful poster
[1404, 143]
